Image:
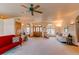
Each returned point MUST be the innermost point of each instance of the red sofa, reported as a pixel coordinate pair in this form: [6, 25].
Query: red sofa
[7, 44]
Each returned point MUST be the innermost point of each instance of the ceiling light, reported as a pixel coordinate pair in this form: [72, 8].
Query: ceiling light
[3, 17]
[72, 22]
[59, 25]
[22, 24]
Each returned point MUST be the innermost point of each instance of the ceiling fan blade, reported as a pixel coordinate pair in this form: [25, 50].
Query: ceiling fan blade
[38, 11]
[24, 6]
[36, 6]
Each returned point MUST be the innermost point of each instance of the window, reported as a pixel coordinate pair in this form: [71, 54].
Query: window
[66, 29]
[28, 30]
[37, 28]
[50, 29]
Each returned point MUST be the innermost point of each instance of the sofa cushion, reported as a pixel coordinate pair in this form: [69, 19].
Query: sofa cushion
[5, 40]
[8, 47]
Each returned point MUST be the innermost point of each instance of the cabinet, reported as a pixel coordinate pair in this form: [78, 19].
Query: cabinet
[17, 28]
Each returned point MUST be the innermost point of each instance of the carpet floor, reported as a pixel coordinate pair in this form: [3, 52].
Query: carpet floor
[43, 46]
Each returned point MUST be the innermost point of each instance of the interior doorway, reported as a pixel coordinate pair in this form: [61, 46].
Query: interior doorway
[27, 29]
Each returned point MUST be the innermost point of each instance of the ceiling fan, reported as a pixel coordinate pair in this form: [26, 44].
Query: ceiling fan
[33, 9]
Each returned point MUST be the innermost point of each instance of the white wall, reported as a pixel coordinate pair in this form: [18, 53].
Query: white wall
[9, 26]
[1, 27]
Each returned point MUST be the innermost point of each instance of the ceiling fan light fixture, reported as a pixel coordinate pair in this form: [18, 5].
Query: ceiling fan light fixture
[33, 9]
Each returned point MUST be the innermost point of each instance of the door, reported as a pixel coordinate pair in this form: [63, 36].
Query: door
[37, 31]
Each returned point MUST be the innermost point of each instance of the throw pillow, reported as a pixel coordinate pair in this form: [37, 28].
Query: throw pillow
[15, 39]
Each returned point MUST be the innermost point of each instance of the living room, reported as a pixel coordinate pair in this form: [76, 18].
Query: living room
[47, 24]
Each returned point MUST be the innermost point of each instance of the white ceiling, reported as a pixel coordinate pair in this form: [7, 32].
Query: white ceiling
[50, 10]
